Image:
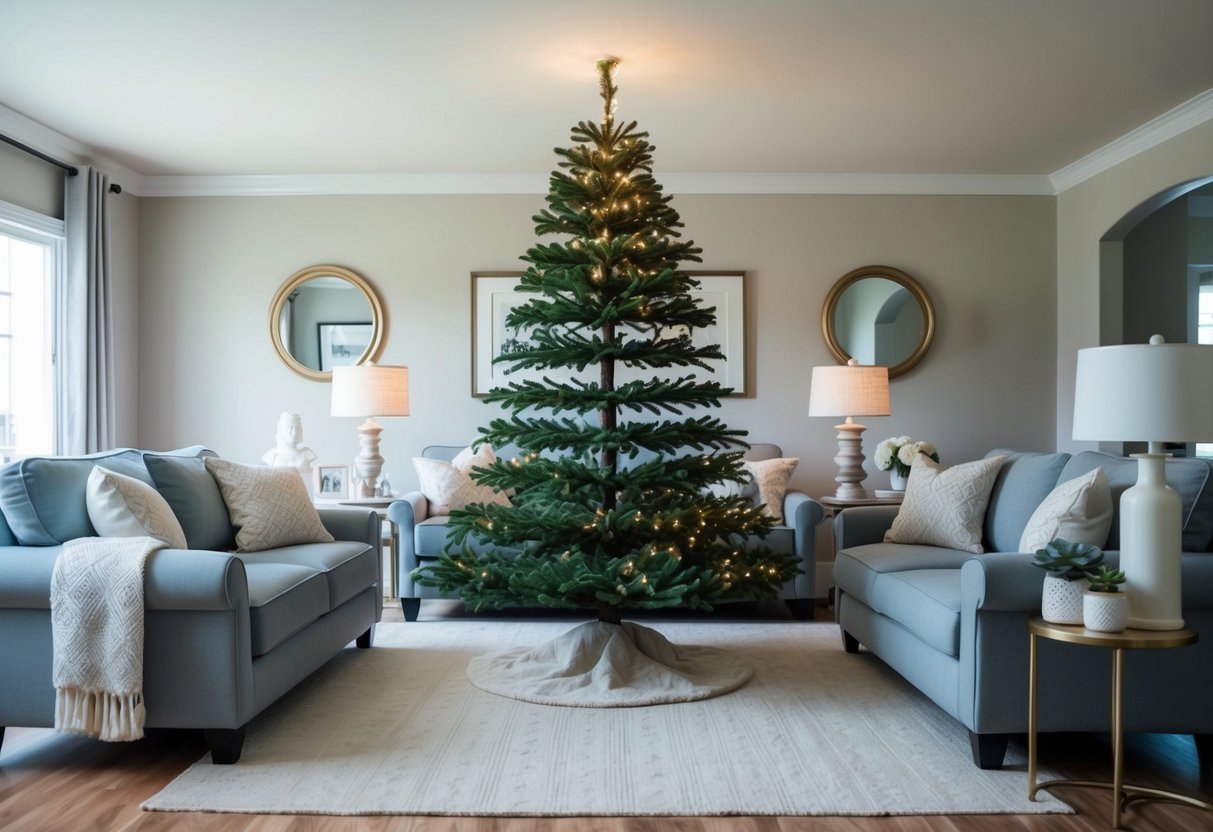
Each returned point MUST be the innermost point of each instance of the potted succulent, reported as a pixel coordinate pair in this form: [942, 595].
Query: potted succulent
[1068, 565]
[1104, 607]
[897, 453]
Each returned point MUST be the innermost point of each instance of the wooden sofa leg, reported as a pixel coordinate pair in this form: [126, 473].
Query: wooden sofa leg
[988, 749]
[225, 744]
[366, 639]
[411, 608]
[801, 608]
[1204, 751]
[849, 642]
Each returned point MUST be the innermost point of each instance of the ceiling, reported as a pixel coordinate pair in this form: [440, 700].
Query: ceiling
[304, 87]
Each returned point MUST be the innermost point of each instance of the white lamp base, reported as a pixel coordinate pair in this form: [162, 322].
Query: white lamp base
[1150, 543]
[850, 461]
[368, 463]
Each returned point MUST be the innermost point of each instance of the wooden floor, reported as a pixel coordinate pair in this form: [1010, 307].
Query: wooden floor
[51, 782]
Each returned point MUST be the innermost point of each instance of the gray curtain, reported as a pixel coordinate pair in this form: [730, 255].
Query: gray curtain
[84, 354]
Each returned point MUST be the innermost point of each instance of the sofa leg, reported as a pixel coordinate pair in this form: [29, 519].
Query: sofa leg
[801, 608]
[411, 608]
[988, 749]
[225, 744]
[1204, 751]
[849, 642]
[1, 736]
[366, 639]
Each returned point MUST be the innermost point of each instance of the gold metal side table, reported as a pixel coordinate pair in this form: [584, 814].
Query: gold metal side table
[1122, 794]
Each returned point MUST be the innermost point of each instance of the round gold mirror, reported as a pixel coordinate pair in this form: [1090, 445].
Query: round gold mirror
[879, 315]
[324, 317]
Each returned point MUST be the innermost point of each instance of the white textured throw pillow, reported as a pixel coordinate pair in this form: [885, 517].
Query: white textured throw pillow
[771, 476]
[122, 506]
[945, 506]
[269, 506]
[1079, 510]
[448, 486]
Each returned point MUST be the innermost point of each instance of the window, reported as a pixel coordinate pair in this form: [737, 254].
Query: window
[31, 257]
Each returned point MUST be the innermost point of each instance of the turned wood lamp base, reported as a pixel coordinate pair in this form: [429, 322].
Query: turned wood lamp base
[850, 461]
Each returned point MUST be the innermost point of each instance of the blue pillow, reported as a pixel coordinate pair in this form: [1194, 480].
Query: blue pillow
[194, 497]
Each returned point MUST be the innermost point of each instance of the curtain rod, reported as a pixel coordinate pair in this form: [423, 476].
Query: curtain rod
[68, 170]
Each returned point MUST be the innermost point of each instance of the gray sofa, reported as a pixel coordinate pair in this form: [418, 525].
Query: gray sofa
[225, 634]
[420, 538]
[954, 624]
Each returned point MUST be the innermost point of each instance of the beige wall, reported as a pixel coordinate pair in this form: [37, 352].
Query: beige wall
[209, 267]
[1085, 214]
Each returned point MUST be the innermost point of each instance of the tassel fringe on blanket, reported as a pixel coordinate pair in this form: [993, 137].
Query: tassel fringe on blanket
[97, 634]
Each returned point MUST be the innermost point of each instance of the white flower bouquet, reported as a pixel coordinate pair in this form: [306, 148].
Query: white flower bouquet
[897, 453]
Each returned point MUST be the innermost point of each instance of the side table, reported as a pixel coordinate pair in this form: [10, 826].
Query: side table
[1131, 639]
[379, 506]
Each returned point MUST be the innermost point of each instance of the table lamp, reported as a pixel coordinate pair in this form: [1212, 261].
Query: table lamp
[850, 390]
[366, 391]
[1153, 393]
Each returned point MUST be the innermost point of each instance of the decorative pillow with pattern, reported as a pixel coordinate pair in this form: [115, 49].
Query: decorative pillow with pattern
[1079, 510]
[448, 486]
[122, 506]
[269, 506]
[945, 506]
[771, 477]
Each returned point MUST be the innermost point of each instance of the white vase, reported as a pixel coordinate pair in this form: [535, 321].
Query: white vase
[897, 481]
[1061, 600]
[1105, 612]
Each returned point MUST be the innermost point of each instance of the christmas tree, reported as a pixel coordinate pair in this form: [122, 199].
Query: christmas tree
[611, 505]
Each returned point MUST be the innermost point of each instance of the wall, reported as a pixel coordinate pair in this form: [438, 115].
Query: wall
[30, 183]
[1155, 282]
[1085, 214]
[210, 266]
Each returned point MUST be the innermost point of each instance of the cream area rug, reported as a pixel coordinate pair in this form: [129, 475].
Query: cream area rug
[399, 729]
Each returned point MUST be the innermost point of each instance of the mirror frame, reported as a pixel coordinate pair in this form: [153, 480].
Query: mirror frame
[888, 273]
[378, 322]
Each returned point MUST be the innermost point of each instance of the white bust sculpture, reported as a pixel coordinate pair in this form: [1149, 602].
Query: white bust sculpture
[288, 450]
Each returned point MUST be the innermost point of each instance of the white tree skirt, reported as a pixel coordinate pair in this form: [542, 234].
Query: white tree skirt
[600, 665]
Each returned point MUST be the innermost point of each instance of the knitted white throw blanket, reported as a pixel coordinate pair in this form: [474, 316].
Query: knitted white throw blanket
[97, 634]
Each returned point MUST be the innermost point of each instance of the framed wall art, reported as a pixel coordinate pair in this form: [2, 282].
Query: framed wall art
[342, 343]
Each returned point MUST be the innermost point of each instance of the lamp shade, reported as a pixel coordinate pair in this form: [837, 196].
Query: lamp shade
[850, 390]
[370, 390]
[1154, 392]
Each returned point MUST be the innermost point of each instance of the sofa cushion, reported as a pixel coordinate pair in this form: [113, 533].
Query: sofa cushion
[283, 599]
[857, 568]
[1024, 480]
[1077, 510]
[1190, 477]
[348, 567]
[269, 506]
[924, 601]
[194, 497]
[945, 506]
[448, 486]
[122, 506]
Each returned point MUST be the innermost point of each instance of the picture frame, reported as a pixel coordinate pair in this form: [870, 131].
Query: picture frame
[342, 343]
[493, 297]
[331, 482]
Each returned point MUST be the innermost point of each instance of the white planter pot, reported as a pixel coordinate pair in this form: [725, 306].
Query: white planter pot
[1061, 601]
[897, 482]
[1105, 612]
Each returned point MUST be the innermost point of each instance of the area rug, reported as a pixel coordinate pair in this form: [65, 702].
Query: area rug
[398, 729]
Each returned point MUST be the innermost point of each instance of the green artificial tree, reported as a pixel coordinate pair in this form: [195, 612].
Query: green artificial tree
[610, 505]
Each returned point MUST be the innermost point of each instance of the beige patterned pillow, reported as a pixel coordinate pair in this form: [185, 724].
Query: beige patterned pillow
[1079, 510]
[122, 506]
[771, 476]
[448, 486]
[269, 506]
[945, 506]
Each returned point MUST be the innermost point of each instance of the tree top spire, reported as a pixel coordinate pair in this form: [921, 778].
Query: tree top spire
[606, 69]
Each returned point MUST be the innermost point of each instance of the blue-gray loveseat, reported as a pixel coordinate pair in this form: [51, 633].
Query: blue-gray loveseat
[225, 634]
[954, 624]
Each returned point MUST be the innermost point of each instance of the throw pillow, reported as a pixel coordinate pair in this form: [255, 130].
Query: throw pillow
[269, 507]
[448, 486]
[945, 506]
[771, 476]
[1079, 510]
[122, 506]
[194, 497]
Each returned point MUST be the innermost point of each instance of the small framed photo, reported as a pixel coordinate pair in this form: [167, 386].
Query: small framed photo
[332, 482]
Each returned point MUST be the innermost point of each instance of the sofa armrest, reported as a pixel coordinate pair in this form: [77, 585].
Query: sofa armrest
[405, 514]
[194, 579]
[353, 524]
[861, 525]
[1001, 582]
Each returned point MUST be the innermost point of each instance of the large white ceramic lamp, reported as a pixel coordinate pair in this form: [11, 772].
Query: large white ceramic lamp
[849, 390]
[1152, 393]
[366, 391]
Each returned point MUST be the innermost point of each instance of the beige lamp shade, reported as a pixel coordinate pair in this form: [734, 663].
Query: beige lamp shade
[370, 390]
[849, 390]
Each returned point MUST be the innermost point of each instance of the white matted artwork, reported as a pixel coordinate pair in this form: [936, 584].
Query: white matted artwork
[342, 344]
[493, 297]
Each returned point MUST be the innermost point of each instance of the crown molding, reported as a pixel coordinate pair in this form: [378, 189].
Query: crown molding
[1193, 112]
[66, 149]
